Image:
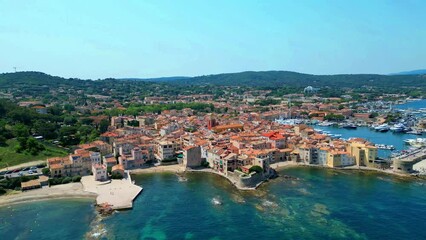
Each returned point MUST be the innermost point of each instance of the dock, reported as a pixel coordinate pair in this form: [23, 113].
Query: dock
[119, 194]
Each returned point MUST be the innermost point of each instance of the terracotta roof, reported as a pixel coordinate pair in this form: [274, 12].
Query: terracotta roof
[117, 167]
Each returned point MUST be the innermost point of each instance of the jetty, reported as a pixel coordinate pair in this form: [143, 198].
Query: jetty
[118, 194]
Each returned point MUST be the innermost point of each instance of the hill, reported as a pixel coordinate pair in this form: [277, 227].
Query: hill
[413, 72]
[160, 79]
[294, 79]
[33, 82]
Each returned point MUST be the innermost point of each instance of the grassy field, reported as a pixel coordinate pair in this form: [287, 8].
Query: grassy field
[8, 156]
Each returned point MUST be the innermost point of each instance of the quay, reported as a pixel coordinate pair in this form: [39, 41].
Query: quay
[404, 163]
[118, 194]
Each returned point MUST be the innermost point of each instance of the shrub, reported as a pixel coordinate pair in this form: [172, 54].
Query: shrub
[42, 165]
[45, 171]
[76, 179]
[55, 181]
[116, 175]
[66, 180]
[2, 191]
[257, 169]
[205, 164]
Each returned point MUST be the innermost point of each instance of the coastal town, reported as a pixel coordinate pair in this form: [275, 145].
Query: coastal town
[212, 120]
[240, 142]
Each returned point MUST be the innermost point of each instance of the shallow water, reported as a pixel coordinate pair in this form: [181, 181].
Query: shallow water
[323, 204]
[53, 219]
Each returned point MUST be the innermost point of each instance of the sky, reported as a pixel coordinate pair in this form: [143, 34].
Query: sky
[143, 38]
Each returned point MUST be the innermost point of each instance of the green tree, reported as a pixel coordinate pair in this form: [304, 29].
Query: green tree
[2, 140]
[69, 108]
[70, 120]
[86, 121]
[34, 147]
[76, 179]
[256, 168]
[20, 130]
[46, 171]
[46, 129]
[103, 125]
[66, 180]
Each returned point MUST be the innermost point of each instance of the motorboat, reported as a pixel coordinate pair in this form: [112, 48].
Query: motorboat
[418, 142]
[385, 147]
[350, 126]
[382, 128]
[415, 132]
[399, 127]
[326, 124]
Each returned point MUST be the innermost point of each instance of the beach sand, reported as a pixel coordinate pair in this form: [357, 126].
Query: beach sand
[70, 190]
[175, 168]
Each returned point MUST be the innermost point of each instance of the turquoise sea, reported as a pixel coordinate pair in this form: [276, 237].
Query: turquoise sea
[316, 203]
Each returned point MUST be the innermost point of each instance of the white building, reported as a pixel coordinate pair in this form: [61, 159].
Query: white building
[99, 172]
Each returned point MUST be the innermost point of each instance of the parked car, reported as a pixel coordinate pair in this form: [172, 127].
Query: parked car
[17, 170]
[26, 169]
[9, 172]
[3, 173]
[30, 172]
[33, 168]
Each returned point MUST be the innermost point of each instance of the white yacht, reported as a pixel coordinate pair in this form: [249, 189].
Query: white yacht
[399, 127]
[382, 128]
[418, 142]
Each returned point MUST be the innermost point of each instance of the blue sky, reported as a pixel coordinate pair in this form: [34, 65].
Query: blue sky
[99, 39]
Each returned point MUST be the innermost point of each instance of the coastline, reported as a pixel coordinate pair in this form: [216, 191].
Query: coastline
[284, 165]
[175, 168]
[77, 191]
[65, 191]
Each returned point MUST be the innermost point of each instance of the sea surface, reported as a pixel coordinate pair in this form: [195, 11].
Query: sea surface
[412, 105]
[388, 138]
[312, 203]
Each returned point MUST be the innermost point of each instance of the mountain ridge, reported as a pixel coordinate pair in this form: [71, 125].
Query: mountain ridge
[412, 72]
[269, 79]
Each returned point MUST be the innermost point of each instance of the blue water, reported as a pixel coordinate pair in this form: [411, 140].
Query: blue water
[388, 138]
[321, 204]
[412, 105]
[53, 219]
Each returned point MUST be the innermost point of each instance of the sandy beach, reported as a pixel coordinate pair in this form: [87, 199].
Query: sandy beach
[158, 169]
[286, 164]
[70, 190]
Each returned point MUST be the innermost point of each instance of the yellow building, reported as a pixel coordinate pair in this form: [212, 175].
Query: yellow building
[339, 159]
[364, 152]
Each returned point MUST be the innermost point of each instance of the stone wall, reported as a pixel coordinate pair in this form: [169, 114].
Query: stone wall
[242, 180]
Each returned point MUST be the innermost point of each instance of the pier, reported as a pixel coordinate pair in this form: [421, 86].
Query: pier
[119, 194]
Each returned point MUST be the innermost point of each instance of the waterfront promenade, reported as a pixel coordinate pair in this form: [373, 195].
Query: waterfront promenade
[119, 194]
